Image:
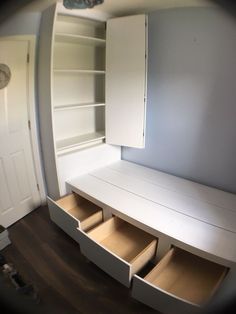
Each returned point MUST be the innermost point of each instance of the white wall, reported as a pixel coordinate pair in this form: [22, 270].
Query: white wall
[191, 108]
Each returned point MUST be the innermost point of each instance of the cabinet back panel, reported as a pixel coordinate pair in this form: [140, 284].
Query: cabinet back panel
[75, 25]
[78, 88]
[70, 123]
[78, 56]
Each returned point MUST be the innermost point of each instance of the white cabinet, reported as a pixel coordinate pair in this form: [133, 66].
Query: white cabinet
[73, 97]
[78, 82]
[126, 81]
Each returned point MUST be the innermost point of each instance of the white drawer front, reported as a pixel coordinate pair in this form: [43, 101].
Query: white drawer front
[65, 221]
[118, 248]
[160, 300]
[72, 212]
[180, 283]
[106, 260]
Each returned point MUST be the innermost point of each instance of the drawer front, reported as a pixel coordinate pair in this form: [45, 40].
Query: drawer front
[65, 221]
[159, 299]
[180, 283]
[106, 260]
[4, 242]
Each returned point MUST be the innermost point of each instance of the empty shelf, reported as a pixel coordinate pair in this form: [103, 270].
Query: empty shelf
[75, 141]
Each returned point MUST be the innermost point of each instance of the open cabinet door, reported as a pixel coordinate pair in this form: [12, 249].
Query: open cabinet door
[126, 81]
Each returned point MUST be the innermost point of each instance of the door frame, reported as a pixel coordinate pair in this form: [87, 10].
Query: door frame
[32, 111]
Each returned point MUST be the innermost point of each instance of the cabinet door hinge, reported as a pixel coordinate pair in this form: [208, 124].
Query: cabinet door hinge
[28, 58]
[29, 124]
[38, 187]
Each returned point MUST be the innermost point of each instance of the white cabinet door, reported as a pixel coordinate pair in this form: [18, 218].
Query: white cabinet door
[18, 186]
[126, 81]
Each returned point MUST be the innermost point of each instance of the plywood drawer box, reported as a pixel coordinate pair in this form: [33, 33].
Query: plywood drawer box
[180, 283]
[72, 212]
[119, 248]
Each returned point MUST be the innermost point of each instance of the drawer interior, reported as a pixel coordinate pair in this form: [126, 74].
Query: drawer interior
[122, 238]
[78, 207]
[187, 276]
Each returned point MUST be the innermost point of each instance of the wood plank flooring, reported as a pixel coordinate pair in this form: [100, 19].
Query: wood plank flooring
[66, 282]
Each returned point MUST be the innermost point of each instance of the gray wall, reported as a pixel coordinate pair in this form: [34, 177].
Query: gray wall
[191, 108]
[21, 24]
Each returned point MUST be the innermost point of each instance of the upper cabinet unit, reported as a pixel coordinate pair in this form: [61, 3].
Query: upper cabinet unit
[126, 72]
[78, 82]
[83, 70]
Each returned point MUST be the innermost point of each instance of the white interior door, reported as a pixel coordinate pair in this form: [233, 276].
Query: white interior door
[126, 81]
[19, 192]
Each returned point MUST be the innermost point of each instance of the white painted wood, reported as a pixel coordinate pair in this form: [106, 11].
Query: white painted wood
[34, 130]
[164, 245]
[3, 234]
[86, 124]
[63, 219]
[118, 248]
[184, 187]
[79, 140]
[84, 59]
[186, 232]
[79, 71]
[19, 193]
[198, 209]
[79, 57]
[85, 40]
[105, 259]
[71, 91]
[73, 88]
[159, 299]
[4, 239]
[45, 89]
[126, 81]
[107, 213]
[4, 242]
[179, 283]
[82, 161]
[225, 294]
[78, 106]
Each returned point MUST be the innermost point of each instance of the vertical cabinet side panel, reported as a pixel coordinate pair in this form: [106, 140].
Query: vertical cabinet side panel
[45, 100]
[126, 81]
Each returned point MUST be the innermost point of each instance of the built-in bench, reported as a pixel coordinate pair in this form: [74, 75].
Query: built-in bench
[187, 229]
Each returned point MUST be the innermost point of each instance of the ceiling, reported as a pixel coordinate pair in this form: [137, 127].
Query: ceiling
[125, 7]
[109, 8]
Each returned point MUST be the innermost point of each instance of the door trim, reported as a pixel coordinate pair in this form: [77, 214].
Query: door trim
[32, 111]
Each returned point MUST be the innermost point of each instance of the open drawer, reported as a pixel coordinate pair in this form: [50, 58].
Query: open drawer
[180, 283]
[119, 248]
[72, 212]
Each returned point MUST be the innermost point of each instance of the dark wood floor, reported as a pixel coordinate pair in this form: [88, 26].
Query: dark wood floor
[67, 282]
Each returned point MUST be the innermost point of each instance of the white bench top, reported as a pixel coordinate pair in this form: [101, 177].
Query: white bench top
[199, 216]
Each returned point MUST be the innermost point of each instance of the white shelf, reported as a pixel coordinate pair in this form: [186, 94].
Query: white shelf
[78, 106]
[68, 144]
[78, 71]
[79, 39]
